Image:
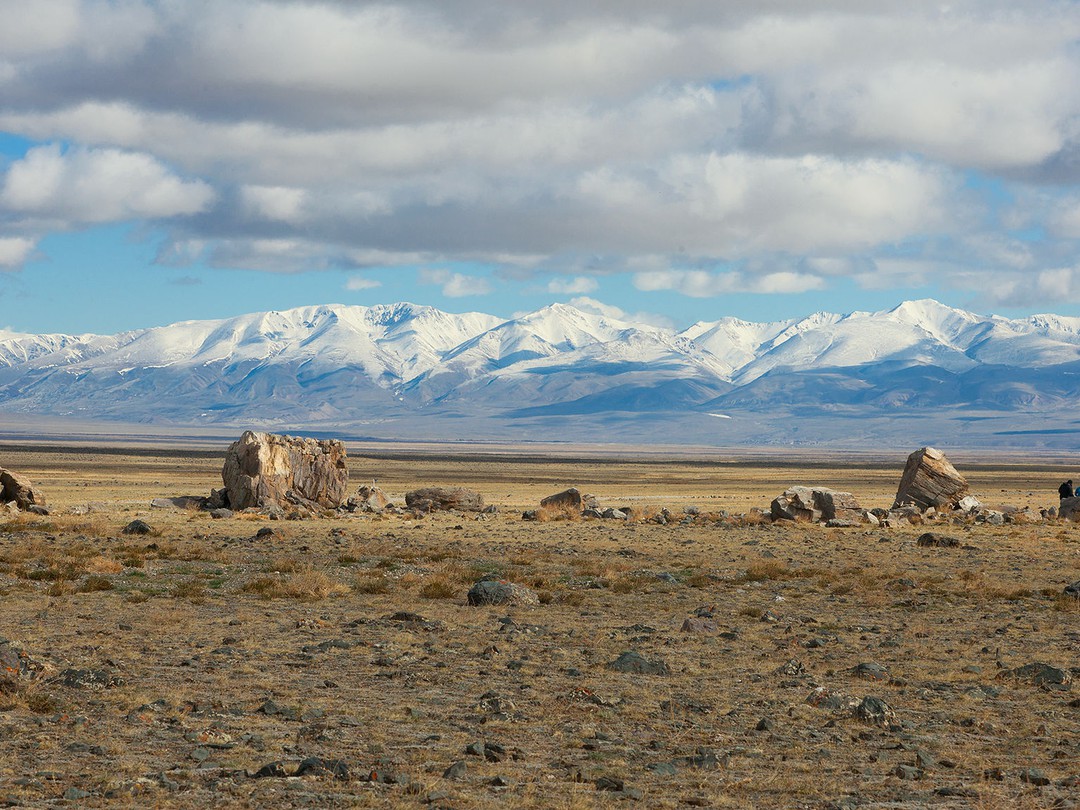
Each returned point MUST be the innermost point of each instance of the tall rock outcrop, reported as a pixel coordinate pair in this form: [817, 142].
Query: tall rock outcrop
[930, 480]
[263, 469]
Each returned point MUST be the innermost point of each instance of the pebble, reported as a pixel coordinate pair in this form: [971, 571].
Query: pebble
[456, 771]
[1034, 776]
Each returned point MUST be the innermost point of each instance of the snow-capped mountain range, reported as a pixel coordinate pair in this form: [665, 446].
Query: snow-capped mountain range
[353, 368]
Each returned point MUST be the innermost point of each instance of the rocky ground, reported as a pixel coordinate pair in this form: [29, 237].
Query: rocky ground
[714, 661]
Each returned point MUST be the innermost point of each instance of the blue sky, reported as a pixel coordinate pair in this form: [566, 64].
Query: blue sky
[162, 162]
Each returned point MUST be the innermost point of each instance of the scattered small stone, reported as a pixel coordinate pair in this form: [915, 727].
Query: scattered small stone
[931, 540]
[137, 527]
[456, 771]
[89, 679]
[792, 669]
[663, 768]
[632, 662]
[610, 783]
[275, 770]
[870, 671]
[219, 514]
[907, 772]
[704, 759]
[875, 711]
[696, 624]
[501, 592]
[1039, 674]
[317, 766]
[957, 792]
[74, 794]
[1073, 590]
[1034, 776]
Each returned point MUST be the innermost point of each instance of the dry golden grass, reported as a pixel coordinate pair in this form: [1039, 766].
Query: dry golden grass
[306, 584]
[214, 622]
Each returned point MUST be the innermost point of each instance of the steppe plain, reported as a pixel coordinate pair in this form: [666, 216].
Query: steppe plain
[214, 653]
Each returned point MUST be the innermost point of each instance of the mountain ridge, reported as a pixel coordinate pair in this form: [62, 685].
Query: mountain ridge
[328, 364]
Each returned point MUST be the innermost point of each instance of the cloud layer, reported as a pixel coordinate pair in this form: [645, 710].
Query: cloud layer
[706, 148]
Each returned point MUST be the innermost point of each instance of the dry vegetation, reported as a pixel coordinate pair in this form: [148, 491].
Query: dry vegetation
[222, 653]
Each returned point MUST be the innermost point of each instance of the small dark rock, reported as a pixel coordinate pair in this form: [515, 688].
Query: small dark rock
[875, 711]
[907, 772]
[88, 679]
[870, 671]
[1039, 674]
[633, 663]
[501, 592]
[137, 527]
[456, 771]
[957, 792]
[610, 783]
[275, 770]
[696, 624]
[317, 766]
[1034, 776]
[931, 540]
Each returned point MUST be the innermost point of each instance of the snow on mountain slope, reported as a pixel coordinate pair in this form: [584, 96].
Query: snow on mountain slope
[347, 364]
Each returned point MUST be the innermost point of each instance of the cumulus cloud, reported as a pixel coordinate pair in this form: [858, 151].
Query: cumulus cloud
[273, 202]
[795, 141]
[586, 304]
[455, 285]
[357, 283]
[14, 251]
[98, 185]
[573, 286]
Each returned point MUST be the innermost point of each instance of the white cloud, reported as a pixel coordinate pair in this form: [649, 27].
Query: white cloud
[572, 286]
[455, 285]
[274, 202]
[702, 284]
[357, 283]
[15, 250]
[44, 25]
[98, 185]
[586, 304]
[601, 137]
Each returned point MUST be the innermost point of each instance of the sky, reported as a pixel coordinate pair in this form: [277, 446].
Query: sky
[188, 159]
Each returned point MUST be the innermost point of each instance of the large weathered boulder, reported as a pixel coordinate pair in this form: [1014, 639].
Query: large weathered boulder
[434, 499]
[267, 469]
[368, 499]
[929, 479]
[568, 500]
[18, 489]
[815, 505]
